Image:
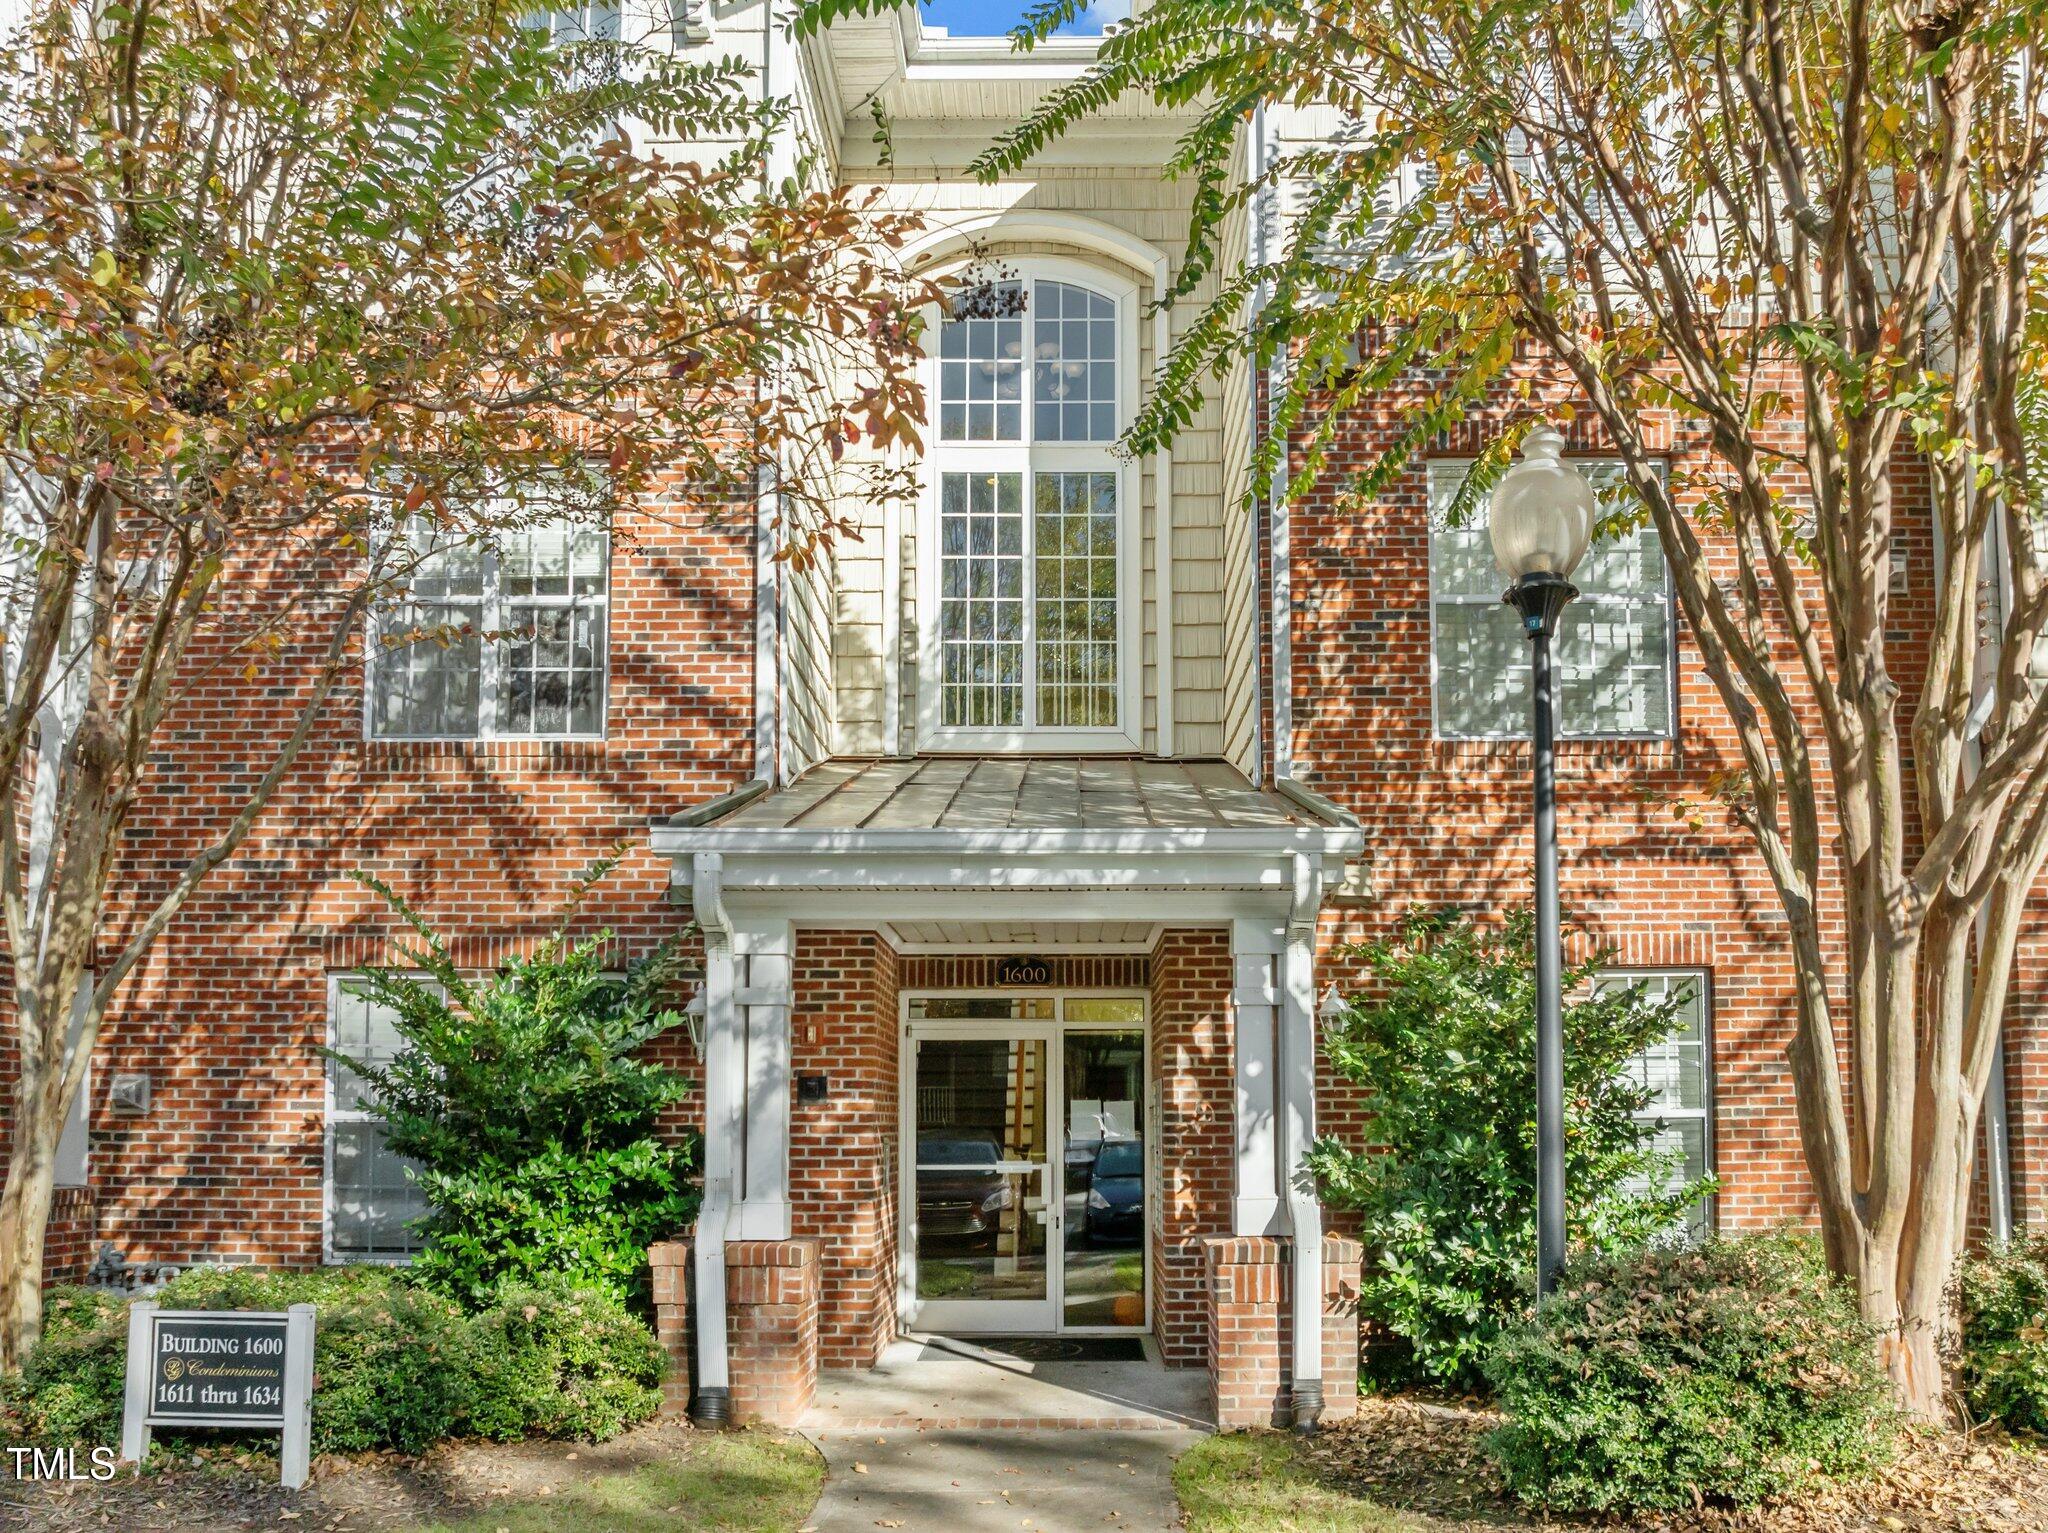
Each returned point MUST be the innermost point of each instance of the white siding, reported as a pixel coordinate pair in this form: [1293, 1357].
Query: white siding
[1137, 201]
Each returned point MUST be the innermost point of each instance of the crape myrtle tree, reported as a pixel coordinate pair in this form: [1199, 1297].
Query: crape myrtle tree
[292, 295]
[1809, 233]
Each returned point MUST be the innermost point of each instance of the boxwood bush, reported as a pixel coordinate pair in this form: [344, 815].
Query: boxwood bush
[558, 1361]
[2001, 1356]
[396, 1365]
[1730, 1371]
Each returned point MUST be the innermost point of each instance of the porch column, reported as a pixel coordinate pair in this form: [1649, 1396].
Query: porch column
[762, 961]
[1257, 966]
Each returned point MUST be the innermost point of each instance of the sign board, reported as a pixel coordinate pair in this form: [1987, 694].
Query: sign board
[221, 1368]
[1023, 971]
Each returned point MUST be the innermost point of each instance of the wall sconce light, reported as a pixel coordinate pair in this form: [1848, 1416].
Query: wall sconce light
[1332, 1011]
[693, 1015]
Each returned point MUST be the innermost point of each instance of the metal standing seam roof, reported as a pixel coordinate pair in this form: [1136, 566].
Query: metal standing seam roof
[983, 793]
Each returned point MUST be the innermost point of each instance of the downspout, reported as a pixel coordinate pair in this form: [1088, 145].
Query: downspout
[722, 1130]
[1255, 154]
[1296, 1127]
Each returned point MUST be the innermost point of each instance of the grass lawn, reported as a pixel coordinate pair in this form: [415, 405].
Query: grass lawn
[1253, 1482]
[725, 1483]
[661, 1476]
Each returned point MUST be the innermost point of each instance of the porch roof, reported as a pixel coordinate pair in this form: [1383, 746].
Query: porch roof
[986, 838]
[1011, 793]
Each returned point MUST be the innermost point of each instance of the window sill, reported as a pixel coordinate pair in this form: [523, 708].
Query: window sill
[1579, 757]
[572, 750]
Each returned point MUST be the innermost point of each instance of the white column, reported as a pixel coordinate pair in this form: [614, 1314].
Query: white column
[1297, 1081]
[1256, 949]
[765, 952]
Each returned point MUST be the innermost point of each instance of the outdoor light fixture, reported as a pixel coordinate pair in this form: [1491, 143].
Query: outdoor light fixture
[693, 1015]
[1332, 1010]
[1542, 523]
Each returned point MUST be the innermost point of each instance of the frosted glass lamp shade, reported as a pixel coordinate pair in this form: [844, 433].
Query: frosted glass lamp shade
[1543, 511]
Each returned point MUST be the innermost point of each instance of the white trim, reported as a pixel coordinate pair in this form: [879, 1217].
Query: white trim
[1026, 458]
[1162, 552]
[1049, 1313]
[1255, 951]
[1141, 945]
[960, 232]
[330, 1115]
[1702, 981]
[767, 634]
[492, 608]
[893, 533]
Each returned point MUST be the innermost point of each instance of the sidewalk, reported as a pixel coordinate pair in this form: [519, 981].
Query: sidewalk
[944, 1438]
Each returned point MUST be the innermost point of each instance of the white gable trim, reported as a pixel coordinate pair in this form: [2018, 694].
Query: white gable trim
[958, 234]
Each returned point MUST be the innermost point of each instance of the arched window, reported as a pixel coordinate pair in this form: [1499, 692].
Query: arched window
[1028, 553]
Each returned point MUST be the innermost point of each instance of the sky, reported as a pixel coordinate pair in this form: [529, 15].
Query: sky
[994, 18]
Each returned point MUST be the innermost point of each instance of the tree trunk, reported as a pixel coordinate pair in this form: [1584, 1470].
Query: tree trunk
[24, 1221]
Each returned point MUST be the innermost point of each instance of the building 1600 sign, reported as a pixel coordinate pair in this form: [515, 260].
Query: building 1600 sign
[206, 1368]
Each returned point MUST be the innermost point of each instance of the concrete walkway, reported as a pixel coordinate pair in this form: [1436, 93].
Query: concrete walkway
[944, 1438]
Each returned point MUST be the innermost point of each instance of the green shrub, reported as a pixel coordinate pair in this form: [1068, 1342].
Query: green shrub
[1731, 1371]
[396, 1365]
[2001, 1356]
[556, 1361]
[1443, 1048]
[530, 1120]
[392, 1363]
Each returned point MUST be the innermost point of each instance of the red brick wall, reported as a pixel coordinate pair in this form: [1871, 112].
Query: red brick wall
[1193, 1061]
[1447, 822]
[69, 1241]
[844, 1152]
[482, 837]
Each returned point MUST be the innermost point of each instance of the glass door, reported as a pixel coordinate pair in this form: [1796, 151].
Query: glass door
[1105, 1170]
[985, 1222]
[1032, 1167]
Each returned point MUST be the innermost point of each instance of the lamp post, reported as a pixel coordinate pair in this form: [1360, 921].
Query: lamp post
[1542, 522]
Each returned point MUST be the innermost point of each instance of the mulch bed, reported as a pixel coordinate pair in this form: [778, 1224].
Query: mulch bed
[230, 1492]
[1427, 1458]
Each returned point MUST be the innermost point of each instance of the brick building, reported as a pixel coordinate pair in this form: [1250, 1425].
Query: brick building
[1022, 832]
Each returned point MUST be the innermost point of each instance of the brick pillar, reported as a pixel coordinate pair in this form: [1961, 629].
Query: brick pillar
[771, 1329]
[670, 1262]
[771, 1326]
[1250, 1338]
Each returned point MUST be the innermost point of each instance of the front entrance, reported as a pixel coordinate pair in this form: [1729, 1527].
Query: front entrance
[1028, 1150]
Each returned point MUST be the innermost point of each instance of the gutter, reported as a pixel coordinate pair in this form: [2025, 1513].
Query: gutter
[1296, 1104]
[717, 808]
[712, 1406]
[1295, 1130]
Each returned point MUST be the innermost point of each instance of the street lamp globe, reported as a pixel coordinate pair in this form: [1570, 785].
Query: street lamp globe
[1543, 512]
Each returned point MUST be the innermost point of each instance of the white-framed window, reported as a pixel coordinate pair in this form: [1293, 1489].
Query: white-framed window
[1678, 1072]
[496, 642]
[1616, 646]
[579, 23]
[1028, 547]
[371, 1198]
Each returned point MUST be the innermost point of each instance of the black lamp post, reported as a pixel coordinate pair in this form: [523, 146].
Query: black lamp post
[1542, 521]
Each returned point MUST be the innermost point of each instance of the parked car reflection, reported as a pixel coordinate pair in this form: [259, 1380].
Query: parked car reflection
[959, 1203]
[1114, 1211]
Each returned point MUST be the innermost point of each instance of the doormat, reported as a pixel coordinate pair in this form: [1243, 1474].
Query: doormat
[1038, 1349]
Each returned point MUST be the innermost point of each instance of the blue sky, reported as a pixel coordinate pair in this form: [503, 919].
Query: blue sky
[993, 18]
